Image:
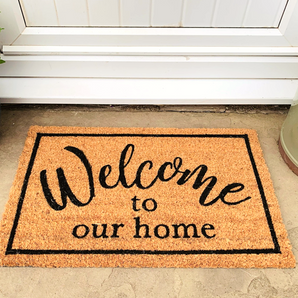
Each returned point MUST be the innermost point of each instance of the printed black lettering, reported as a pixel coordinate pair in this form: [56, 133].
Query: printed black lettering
[138, 226]
[185, 229]
[134, 204]
[232, 188]
[116, 228]
[83, 233]
[157, 231]
[206, 227]
[125, 157]
[153, 205]
[103, 232]
[64, 186]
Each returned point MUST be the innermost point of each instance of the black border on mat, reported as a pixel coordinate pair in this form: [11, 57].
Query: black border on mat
[12, 251]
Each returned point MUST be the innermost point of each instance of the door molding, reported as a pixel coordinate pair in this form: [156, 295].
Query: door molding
[158, 37]
[148, 65]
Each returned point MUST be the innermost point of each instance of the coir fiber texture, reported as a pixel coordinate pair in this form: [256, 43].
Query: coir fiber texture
[143, 197]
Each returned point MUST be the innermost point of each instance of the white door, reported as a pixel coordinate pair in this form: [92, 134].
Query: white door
[149, 51]
[154, 13]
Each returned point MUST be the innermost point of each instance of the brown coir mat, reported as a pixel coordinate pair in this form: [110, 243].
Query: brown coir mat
[143, 197]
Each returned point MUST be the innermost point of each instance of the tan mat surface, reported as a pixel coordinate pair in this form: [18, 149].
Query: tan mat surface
[143, 197]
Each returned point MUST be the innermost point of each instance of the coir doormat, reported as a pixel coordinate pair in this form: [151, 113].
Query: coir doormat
[143, 197]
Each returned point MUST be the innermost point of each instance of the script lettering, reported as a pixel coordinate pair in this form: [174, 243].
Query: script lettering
[175, 169]
[64, 186]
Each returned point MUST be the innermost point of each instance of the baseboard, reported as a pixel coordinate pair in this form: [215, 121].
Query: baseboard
[37, 75]
[147, 91]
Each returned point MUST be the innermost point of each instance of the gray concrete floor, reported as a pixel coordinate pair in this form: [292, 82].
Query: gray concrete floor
[117, 282]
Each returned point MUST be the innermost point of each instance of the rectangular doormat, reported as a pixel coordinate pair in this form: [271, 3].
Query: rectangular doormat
[143, 197]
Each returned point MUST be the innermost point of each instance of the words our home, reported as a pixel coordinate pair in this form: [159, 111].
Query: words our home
[143, 230]
[174, 168]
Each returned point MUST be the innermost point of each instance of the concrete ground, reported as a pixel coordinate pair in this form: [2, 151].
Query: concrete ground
[117, 282]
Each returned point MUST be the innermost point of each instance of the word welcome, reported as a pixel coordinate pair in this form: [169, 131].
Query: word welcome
[173, 169]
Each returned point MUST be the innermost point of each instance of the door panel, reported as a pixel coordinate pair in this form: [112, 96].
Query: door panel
[154, 13]
[229, 13]
[104, 13]
[166, 13]
[198, 13]
[72, 13]
[264, 13]
[40, 12]
[135, 13]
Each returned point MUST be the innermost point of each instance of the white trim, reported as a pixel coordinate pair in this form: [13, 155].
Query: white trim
[11, 20]
[146, 91]
[179, 67]
[158, 37]
[18, 16]
[104, 50]
[288, 15]
[288, 27]
[295, 99]
[151, 31]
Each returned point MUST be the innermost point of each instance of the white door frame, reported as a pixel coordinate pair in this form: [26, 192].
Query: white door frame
[148, 65]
